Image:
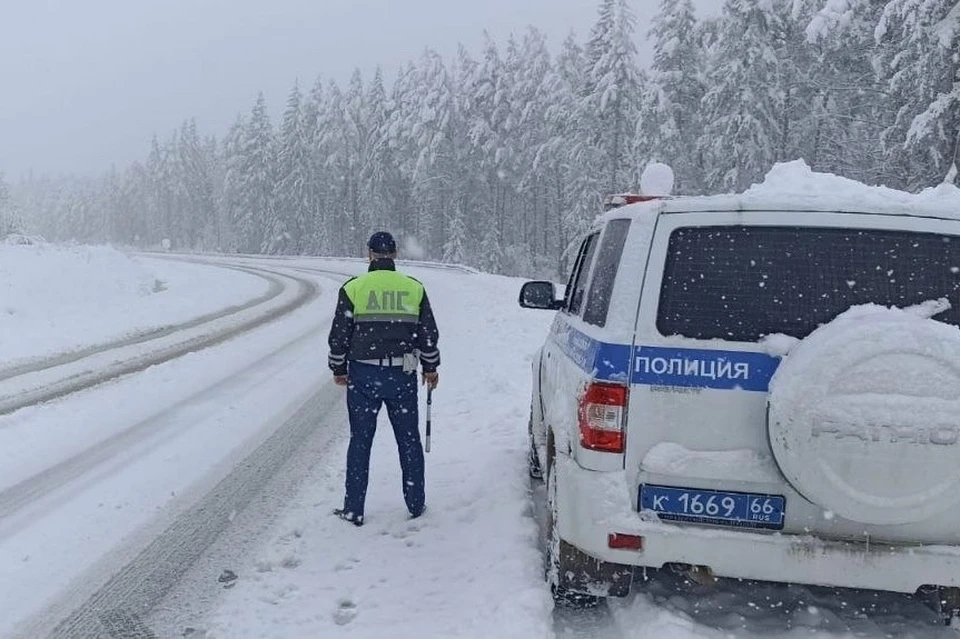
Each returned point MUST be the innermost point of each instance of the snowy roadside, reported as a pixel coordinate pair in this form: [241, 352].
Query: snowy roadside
[56, 298]
[471, 567]
[112, 466]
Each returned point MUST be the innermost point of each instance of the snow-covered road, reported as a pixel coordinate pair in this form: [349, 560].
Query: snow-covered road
[48, 378]
[104, 470]
[248, 437]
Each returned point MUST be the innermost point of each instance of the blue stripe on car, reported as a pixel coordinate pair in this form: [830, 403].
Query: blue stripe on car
[665, 366]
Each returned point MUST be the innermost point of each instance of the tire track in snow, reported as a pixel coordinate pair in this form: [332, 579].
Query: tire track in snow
[72, 383]
[118, 607]
[145, 569]
[275, 289]
[18, 497]
[133, 591]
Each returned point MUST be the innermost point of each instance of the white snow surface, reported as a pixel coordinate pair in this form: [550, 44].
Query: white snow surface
[670, 458]
[778, 344]
[835, 14]
[794, 186]
[55, 298]
[922, 345]
[470, 567]
[657, 179]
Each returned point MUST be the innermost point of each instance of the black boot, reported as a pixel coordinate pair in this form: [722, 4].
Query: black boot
[346, 515]
[414, 514]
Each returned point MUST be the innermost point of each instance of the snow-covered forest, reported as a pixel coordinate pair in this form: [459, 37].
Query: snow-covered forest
[499, 157]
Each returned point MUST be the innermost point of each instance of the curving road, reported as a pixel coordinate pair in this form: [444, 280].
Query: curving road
[107, 599]
[63, 374]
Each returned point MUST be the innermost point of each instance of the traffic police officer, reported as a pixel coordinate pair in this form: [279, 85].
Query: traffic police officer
[382, 326]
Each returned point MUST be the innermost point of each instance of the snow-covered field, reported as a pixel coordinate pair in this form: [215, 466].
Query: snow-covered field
[471, 567]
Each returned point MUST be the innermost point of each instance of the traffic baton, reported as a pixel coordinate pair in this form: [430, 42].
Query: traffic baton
[429, 403]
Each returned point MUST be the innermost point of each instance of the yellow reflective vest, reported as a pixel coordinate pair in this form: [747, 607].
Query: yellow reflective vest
[385, 296]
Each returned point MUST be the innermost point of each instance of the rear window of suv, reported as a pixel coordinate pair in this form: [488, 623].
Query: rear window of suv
[740, 283]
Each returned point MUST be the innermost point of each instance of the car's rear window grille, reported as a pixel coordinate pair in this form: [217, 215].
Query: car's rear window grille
[740, 283]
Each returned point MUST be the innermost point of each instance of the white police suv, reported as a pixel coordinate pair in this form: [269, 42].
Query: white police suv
[763, 386]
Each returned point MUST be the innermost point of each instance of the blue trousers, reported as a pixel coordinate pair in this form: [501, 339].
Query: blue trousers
[370, 387]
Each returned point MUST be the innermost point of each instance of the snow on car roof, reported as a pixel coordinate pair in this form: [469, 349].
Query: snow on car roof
[794, 186]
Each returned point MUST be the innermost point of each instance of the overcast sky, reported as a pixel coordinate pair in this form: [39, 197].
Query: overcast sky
[84, 84]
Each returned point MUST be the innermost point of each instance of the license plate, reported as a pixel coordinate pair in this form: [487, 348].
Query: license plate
[715, 507]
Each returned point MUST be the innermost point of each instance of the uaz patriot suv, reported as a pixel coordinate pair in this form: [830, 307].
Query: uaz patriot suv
[762, 386]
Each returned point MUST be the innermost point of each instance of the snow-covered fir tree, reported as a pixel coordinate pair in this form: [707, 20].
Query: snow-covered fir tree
[293, 168]
[258, 226]
[745, 100]
[613, 90]
[672, 119]
[499, 157]
[7, 221]
[924, 80]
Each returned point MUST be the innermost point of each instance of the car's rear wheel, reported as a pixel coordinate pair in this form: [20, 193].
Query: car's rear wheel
[556, 568]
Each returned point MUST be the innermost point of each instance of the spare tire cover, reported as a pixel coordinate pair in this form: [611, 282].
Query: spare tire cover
[864, 416]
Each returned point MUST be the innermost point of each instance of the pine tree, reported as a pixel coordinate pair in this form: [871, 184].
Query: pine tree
[672, 110]
[232, 206]
[357, 139]
[195, 186]
[744, 105]
[845, 106]
[258, 226]
[377, 157]
[534, 73]
[420, 129]
[293, 167]
[453, 250]
[400, 160]
[486, 106]
[568, 155]
[6, 208]
[317, 236]
[335, 159]
[924, 77]
[613, 90]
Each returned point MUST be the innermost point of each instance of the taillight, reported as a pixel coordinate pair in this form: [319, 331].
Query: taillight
[603, 409]
[621, 541]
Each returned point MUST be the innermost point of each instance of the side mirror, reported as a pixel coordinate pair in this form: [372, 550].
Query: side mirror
[541, 295]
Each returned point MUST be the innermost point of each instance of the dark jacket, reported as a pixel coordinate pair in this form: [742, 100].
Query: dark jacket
[353, 340]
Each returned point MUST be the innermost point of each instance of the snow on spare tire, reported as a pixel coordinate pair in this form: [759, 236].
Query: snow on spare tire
[864, 415]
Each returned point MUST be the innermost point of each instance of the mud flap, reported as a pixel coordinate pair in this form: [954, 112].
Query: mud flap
[943, 601]
[533, 461]
[579, 572]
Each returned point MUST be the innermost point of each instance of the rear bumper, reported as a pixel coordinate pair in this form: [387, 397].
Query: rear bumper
[594, 504]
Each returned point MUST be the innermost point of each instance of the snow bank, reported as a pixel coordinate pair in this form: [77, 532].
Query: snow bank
[55, 298]
[796, 179]
[669, 458]
[799, 182]
[794, 186]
